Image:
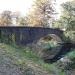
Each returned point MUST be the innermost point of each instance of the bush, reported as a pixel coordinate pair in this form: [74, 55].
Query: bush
[70, 35]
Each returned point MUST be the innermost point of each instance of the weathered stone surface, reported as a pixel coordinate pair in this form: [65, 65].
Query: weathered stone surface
[28, 35]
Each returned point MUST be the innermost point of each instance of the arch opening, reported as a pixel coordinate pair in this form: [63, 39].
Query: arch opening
[48, 46]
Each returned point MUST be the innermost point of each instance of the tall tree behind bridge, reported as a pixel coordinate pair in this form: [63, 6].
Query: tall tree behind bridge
[68, 16]
[41, 13]
[22, 21]
[67, 19]
[5, 18]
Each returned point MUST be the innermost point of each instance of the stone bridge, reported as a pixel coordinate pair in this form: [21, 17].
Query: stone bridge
[27, 35]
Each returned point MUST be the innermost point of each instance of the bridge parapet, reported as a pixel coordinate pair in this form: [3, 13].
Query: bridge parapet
[26, 35]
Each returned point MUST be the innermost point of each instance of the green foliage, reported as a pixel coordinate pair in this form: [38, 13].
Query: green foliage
[24, 56]
[58, 24]
[71, 65]
[70, 35]
[5, 18]
[67, 19]
[71, 55]
[68, 16]
[22, 21]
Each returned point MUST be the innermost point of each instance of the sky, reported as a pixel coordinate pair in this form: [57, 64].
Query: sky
[22, 5]
[16, 5]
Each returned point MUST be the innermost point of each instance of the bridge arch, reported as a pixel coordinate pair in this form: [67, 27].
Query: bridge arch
[48, 45]
[54, 37]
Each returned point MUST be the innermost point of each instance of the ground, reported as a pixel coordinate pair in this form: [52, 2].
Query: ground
[17, 61]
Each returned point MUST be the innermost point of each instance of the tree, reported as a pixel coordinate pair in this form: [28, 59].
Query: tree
[5, 18]
[68, 17]
[67, 20]
[22, 21]
[41, 13]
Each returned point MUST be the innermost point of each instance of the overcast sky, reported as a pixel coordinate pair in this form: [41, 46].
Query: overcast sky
[22, 5]
[16, 5]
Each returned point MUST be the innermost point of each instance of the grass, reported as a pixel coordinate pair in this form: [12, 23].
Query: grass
[71, 54]
[24, 56]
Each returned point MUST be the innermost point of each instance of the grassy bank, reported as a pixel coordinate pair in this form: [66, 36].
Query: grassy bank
[24, 56]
